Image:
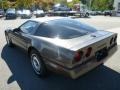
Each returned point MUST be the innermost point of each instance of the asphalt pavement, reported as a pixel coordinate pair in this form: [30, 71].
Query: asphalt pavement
[16, 72]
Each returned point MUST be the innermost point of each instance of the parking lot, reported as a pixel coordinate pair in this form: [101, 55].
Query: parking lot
[16, 72]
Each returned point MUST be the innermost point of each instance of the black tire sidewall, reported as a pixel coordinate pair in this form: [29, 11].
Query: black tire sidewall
[42, 71]
[87, 15]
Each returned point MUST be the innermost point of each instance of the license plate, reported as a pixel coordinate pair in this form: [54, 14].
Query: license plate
[101, 54]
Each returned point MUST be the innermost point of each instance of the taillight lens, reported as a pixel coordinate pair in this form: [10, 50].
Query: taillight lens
[78, 56]
[89, 50]
[115, 39]
[111, 41]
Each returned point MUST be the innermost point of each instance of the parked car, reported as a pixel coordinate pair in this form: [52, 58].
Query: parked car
[60, 7]
[99, 13]
[62, 45]
[40, 13]
[2, 13]
[94, 13]
[19, 13]
[34, 12]
[11, 14]
[107, 12]
[83, 10]
[26, 14]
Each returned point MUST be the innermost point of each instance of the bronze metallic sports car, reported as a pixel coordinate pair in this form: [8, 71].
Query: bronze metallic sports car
[62, 44]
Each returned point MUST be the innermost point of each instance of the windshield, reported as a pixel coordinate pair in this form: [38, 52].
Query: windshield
[64, 29]
[26, 11]
[40, 11]
[11, 11]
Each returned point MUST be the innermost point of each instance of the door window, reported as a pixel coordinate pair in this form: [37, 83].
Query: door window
[29, 27]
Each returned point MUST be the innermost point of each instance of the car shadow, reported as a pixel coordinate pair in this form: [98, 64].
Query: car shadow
[75, 17]
[10, 18]
[101, 78]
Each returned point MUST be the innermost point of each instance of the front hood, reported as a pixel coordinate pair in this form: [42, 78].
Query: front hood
[72, 43]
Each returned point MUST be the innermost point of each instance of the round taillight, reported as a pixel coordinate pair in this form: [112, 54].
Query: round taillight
[89, 50]
[111, 41]
[115, 39]
[78, 56]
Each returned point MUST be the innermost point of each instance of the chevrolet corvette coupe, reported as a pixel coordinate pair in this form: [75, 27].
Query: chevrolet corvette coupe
[63, 45]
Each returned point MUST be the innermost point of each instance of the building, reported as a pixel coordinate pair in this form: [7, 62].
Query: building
[117, 7]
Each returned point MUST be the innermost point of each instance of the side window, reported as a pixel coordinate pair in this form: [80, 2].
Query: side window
[29, 27]
[45, 31]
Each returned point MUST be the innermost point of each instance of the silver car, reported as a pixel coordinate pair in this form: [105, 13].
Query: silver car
[62, 45]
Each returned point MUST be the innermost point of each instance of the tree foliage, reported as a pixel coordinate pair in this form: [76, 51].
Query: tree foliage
[71, 4]
[84, 1]
[4, 4]
[47, 4]
[102, 4]
[60, 1]
[24, 3]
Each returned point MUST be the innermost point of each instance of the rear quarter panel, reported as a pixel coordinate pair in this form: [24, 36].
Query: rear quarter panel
[52, 52]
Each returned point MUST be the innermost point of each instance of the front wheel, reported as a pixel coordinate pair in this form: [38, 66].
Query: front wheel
[37, 63]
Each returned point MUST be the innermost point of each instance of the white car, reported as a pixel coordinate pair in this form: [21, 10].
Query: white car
[19, 13]
[26, 14]
[39, 13]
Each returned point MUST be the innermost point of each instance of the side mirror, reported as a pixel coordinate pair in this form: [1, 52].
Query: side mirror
[16, 30]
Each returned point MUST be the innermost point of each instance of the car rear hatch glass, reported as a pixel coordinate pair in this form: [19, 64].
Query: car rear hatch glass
[64, 29]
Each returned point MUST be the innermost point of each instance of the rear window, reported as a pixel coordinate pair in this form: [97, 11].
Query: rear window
[10, 11]
[64, 29]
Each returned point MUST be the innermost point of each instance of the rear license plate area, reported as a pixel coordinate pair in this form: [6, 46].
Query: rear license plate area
[101, 54]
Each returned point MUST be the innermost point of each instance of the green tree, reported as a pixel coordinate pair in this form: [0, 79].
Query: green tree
[84, 1]
[71, 4]
[4, 4]
[24, 3]
[102, 4]
[60, 1]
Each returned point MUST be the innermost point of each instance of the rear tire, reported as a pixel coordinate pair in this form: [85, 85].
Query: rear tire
[87, 15]
[37, 63]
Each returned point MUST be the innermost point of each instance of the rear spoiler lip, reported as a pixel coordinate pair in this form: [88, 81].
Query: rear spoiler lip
[85, 44]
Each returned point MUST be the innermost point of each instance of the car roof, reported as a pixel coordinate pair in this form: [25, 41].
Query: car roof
[47, 19]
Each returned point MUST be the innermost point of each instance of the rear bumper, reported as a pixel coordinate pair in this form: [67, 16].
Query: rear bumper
[1, 15]
[26, 16]
[83, 68]
[40, 15]
[11, 16]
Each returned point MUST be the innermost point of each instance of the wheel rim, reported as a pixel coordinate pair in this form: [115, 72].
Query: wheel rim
[35, 63]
